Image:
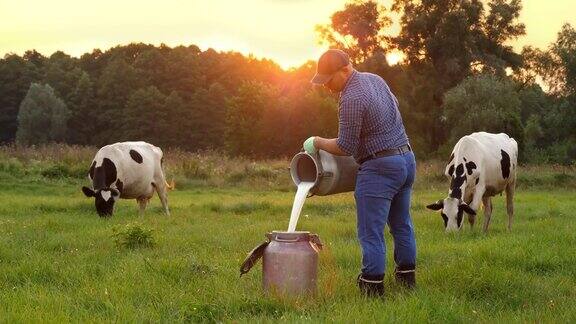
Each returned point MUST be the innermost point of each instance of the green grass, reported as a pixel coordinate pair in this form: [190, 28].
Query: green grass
[60, 262]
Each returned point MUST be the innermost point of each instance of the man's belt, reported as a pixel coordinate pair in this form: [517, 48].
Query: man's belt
[395, 151]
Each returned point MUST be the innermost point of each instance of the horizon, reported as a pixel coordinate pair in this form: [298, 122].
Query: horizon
[66, 26]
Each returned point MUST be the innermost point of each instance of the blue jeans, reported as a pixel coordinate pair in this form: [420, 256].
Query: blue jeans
[383, 191]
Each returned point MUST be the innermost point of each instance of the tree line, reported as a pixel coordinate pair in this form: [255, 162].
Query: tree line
[459, 75]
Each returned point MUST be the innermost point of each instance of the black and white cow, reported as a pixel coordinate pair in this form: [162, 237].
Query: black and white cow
[128, 170]
[482, 165]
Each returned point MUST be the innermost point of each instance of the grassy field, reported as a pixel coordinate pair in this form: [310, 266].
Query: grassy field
[59, 261]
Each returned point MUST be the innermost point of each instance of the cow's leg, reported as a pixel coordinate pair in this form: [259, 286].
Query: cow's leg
[163, 194]
[471, 220]
[478, 194]
[142, 203]
[510, 188]
[487, 201]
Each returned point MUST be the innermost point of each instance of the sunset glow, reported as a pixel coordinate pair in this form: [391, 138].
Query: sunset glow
[282, 30]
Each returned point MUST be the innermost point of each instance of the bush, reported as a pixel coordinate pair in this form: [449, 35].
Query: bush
[133, 237]
[59, 171]
[194, 169]
[558, 153]
[484, 103]
[11, 166]
[252, 172]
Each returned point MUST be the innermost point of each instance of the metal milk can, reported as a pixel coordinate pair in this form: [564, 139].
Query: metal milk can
[331, 173]
[289, 262]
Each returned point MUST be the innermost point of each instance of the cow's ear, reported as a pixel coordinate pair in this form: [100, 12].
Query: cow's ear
[437, 205]
[467, 209]
[88, 192]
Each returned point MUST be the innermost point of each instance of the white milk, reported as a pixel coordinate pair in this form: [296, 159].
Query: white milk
[299, 199]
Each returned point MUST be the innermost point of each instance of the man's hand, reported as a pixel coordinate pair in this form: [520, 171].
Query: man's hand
[309, 146]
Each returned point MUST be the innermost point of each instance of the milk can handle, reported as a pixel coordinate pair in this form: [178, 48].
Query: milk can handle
[320, 172]
[286, 240]
[314, 238]
[253, 257]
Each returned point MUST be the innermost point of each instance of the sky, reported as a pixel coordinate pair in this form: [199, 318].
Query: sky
[282, 30]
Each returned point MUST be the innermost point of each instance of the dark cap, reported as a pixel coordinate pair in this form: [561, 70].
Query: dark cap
[329, 63]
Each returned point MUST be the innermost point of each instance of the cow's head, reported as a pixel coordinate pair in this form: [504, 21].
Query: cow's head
[452, 211]
[104, 199]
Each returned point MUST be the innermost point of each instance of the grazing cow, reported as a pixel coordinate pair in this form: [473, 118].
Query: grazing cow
[128, 170]
[482, 165]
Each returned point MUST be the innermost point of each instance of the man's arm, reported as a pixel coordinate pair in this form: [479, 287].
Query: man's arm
[349, 125]
[329, 145]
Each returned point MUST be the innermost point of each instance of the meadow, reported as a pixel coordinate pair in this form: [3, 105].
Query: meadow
[60, 262]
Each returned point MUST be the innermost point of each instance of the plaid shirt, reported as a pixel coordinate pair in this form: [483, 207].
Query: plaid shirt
[369, 119]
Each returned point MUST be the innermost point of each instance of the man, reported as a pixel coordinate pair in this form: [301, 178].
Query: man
[371, 130]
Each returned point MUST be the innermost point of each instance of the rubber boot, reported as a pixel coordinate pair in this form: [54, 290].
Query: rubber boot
[371, 285]
[406, 275]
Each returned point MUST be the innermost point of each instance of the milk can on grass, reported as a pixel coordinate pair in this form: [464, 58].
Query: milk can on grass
[289, 263]
[290, 259]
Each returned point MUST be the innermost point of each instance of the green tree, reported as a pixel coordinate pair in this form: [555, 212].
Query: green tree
[420, 98]
[357, 29]
[458, 37]
[183, 71]
[145, 117]
[16, 75]
[483, 103]
[446, 41]
[116, 83]
[42, 117]
[81, 103]
[208, 117]
[553, 114]
[62, 73]
[301, 113]
[533, 132]
[557, 65]
[244, 118]
[178, 129]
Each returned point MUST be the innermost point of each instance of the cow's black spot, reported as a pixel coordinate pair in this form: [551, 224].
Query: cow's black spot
[104, 175]
[470, 166]
[459, 217]
[457, 181]
[119, 186]
[91, 172]
[456, 193]
[505, 163]
[460, 170]
[136, 156]
[445, 218]
[477, 180]
[451, 170]
[451, 157]
[110, 169]
[464, 159]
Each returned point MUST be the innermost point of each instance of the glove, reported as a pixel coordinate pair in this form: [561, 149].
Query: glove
[309, 146]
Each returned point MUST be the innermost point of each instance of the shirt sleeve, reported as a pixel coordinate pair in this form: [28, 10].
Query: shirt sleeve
[349, 125]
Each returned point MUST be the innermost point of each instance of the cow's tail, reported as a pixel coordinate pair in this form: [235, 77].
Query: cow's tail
[171, 185]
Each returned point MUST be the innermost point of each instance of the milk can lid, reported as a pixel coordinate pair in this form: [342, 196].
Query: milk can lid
[289, 237]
